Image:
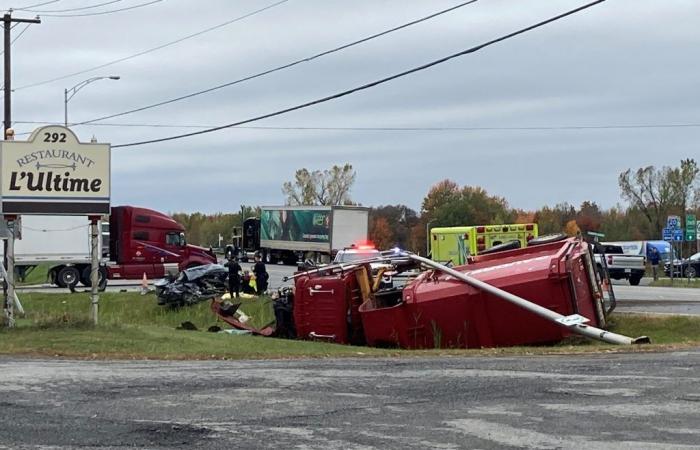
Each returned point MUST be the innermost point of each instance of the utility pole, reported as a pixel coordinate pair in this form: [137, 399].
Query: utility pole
[7, 21]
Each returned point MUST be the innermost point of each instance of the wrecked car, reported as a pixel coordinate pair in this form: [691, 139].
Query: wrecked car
[192, 285]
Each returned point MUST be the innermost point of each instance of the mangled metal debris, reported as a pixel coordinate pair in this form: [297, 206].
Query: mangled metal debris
[192, 285]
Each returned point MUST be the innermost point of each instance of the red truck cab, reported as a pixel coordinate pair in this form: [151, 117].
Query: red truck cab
[142, 241]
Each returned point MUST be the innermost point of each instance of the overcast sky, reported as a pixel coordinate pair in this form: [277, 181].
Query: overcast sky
[623, 62]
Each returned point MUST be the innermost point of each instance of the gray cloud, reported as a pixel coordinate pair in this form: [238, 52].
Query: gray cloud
[623, 62]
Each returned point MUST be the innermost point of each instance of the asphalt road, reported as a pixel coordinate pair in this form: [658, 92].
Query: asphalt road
[660, 300]
[610, 401]
[277, 272]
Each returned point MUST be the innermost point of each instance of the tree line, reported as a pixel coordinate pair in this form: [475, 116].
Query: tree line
[650, 195]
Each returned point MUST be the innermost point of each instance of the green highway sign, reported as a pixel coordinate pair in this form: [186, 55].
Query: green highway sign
[690, 227]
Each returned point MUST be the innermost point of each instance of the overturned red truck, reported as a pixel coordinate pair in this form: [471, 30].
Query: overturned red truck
[535, 295]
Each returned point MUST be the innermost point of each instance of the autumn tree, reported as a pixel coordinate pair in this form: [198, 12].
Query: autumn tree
[554, 219]
[571, 228]
[380, 233]
[320, 187]
[448, 205]
[660, 192]
[589, 217]
[204, 229]
[400, 219]
[621, 224]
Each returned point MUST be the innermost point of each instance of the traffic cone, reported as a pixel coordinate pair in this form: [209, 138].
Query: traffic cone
[144, 284]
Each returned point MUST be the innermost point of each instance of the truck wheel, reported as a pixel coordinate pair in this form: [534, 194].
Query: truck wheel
[85, 276]
[690, 272]
[510, 245]
[634, 280]
[547, 239]
[68, 277]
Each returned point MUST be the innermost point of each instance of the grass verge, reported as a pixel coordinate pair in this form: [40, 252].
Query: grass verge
[134, 326]
[677, 282]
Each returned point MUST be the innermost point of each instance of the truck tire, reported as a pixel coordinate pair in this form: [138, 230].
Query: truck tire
[690, 272]
[547, 239]
[510, 245]
[269, 258]
[635, 279]
[85, 277]
[68, 277]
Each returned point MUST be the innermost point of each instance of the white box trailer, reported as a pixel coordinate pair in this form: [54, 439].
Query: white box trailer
[60, 242]
[290, 233]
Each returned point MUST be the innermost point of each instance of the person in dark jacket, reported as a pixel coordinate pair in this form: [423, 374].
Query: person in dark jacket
[261, 275]
[234, 276]
[654, 259]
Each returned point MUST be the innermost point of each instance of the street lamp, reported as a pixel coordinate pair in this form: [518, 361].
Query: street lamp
[69, 93]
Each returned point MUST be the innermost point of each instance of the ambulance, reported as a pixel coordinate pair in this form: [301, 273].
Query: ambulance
[456, 244]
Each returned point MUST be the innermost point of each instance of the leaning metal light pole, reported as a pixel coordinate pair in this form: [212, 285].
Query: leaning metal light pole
[69, 93]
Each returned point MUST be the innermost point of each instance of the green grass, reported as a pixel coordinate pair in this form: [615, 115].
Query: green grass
[132, 308]
[677, 282]
[134, 326]
[662, 329]
[38, 275]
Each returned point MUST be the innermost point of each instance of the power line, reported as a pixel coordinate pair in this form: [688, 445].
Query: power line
[112, 11]
[20, 33]
[18, 36]
[153, 49]
[69, 9]
[285, 66]
[371, 84]
[397, 128]
[40, 4]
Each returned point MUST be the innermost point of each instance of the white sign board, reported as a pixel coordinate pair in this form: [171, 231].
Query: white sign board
[53, 173]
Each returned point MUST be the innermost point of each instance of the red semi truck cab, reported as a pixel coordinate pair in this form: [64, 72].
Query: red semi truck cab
[142, 241]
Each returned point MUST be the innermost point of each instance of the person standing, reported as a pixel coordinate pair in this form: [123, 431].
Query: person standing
[654, 259]
[234, 276]
[261, 275]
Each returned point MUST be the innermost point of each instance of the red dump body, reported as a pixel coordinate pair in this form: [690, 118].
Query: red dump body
[326, 307]
[438, 311]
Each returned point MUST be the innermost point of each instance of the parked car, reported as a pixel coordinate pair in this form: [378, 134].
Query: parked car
[689, 267]
[620, 266]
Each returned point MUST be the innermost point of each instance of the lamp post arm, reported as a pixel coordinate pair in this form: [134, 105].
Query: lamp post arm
[74, 90]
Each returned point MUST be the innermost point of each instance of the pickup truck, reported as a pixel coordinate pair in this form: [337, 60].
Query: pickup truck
[620, 266]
